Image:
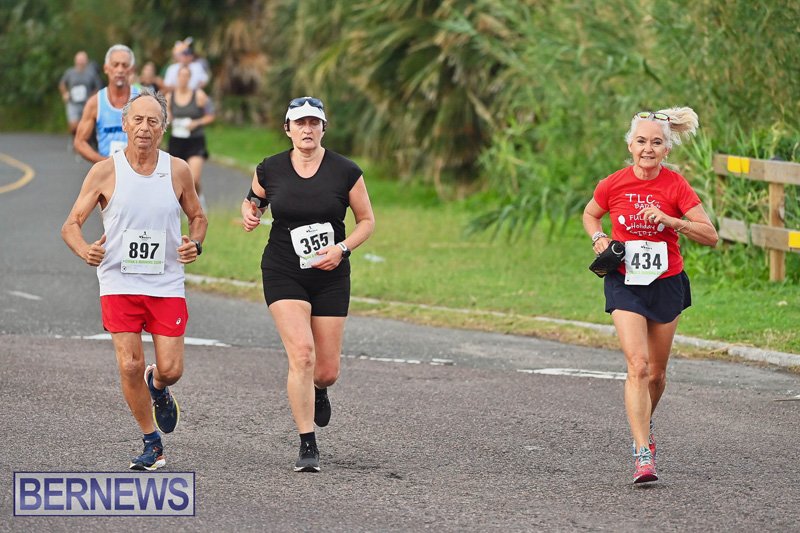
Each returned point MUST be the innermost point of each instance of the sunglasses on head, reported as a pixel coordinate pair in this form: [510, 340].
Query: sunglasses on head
[651, 114]
[300, 102]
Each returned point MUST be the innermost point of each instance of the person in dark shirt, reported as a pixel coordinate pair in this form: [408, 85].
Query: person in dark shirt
[305, 266]
[76, 86]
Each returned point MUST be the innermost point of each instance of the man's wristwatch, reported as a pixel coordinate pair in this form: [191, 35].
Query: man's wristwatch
[598, 235]
[199, 247]
[345, 249]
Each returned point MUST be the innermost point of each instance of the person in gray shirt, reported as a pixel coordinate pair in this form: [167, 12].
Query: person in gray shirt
[76, 86]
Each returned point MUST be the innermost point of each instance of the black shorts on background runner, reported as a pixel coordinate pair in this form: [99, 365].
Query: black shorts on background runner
[189, 147]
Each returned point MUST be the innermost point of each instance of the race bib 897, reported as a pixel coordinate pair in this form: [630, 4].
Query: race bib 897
[144, 251]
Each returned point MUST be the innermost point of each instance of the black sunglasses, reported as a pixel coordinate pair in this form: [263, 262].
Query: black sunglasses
[300, 102]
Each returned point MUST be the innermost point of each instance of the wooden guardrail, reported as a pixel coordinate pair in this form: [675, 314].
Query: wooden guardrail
[773, 236]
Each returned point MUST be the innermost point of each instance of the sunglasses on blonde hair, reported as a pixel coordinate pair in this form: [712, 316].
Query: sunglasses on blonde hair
[652, 114]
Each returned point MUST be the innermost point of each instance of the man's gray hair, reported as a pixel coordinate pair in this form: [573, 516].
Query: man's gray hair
[120, 48]
[162, 101]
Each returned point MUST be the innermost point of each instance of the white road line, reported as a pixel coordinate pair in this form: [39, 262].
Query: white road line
[25, 295]
[576, 373]
[434, 362]
[790, 399]
[192, 341]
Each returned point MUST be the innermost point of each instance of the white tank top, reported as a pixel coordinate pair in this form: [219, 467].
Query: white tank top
[142, 211]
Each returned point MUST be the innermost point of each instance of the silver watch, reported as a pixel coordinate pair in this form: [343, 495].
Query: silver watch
[598, 235]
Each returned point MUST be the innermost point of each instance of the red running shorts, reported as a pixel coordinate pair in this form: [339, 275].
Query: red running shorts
[133, 313]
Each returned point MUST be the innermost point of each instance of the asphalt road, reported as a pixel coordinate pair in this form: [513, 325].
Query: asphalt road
[432, 428]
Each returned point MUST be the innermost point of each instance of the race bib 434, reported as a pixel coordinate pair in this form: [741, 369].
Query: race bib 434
[645, 261]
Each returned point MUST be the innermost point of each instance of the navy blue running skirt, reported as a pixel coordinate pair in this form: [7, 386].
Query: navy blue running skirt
[661, 301]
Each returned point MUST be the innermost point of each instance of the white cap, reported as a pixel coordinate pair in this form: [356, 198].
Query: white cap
[305, 110]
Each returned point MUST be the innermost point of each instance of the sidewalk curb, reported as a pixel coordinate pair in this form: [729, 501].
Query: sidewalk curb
[781, 359]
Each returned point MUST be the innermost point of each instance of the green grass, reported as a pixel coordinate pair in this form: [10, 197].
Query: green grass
[247, 145]
[427, 259]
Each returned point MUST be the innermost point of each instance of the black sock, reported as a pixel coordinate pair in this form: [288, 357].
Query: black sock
[308, 438]
[150, 437]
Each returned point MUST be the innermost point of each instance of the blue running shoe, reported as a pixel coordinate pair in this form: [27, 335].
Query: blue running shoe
[152, 457]
[166, 411]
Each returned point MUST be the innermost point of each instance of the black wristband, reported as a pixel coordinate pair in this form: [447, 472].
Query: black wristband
[261, 203]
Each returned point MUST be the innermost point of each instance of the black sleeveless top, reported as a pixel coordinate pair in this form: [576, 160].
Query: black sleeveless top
[190, 110]
[296, 201]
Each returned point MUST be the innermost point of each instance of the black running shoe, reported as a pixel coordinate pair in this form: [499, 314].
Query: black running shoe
[322, 407]
[309, 458]
[152, 457]
[166, 412]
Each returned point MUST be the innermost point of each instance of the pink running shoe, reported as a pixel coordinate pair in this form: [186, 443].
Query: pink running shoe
[645, 467]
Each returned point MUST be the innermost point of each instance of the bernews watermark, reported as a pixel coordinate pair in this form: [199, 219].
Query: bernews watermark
[104, 494]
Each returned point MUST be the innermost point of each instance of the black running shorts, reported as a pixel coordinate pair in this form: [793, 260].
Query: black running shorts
[189, 147]
[661, 301]
[328, 295]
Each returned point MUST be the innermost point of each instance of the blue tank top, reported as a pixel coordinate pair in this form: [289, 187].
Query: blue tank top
[110, 137]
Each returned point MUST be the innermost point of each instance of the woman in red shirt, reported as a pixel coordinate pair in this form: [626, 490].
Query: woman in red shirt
[648, 205]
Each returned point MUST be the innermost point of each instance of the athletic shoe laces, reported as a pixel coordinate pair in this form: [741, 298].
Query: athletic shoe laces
[163, 400]
[644, 457]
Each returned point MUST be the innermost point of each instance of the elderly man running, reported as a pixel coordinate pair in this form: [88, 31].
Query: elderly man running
[140, 258]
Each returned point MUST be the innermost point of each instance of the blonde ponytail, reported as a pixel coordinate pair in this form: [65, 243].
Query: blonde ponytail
[683, 123]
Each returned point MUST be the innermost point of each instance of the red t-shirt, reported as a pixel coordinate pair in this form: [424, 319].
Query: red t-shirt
[623, 195]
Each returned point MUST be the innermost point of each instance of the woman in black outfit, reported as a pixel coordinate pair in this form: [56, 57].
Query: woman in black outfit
[189, 111]
[305, 265]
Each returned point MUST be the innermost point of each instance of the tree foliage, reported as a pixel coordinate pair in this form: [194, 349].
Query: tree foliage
[39, 38]
[526, 99]
[574, 74]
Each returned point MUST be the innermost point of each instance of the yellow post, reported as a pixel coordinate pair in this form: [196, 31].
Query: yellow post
[777, 265]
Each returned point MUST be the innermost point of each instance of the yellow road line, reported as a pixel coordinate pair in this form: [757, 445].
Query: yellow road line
[27, 173]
